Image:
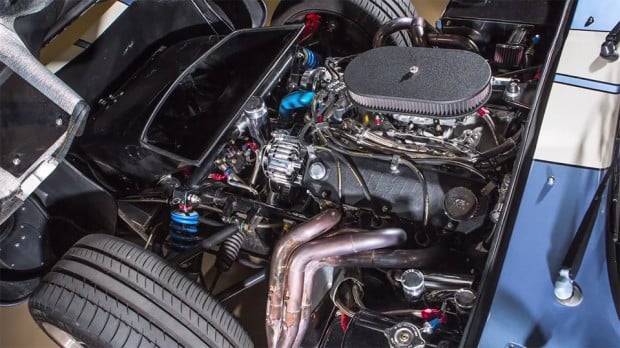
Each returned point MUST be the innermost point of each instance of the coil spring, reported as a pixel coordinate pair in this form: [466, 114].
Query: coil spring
[310, 59]
[229, 250]
[183, 230]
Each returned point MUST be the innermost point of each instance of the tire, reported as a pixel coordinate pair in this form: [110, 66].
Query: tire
[368, 14]
[107, 292]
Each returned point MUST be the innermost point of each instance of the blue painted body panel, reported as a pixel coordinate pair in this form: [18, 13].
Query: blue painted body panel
[524, 309]
[606, 14]
[590, 84]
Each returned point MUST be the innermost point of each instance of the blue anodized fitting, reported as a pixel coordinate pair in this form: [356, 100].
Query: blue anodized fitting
[295, 100]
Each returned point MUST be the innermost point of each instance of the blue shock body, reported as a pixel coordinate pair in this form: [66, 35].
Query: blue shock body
[310, 60]
[294, 101]
[183, 230]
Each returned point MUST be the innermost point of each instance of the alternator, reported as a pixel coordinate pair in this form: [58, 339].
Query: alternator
[284, 160]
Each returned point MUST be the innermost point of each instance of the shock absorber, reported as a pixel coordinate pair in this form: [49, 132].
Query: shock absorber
[183, 230]
[309, 59]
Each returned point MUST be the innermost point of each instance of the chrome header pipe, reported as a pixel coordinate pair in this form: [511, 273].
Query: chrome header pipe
[299, 286]
[299, 235]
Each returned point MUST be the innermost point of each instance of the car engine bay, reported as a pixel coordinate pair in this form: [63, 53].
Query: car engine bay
[378, 175]
[364, 188]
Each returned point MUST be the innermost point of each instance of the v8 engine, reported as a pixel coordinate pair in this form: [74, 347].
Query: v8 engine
[422, 109]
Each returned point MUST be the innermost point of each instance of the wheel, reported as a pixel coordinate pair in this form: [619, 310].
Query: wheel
[107, 292]
[347, 25]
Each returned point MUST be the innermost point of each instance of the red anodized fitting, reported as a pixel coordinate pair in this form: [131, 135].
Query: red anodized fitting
[218, 176]
[312, 24]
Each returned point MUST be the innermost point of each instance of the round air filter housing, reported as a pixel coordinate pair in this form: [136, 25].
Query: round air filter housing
[431, 82]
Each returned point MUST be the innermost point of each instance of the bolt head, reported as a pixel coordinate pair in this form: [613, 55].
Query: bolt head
[414, 69]
[512, 90]
[514, 87]
[16, 161]
[194, 199]
[58, 121]
[495, 215]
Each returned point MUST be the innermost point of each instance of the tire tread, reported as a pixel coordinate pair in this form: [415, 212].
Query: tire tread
[101, 284]
[374, 12]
